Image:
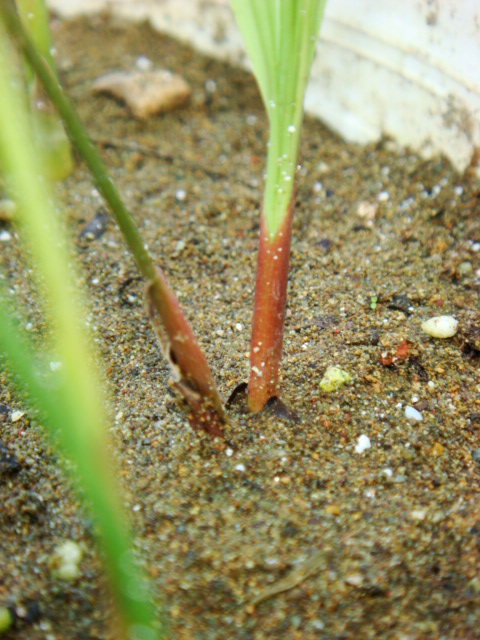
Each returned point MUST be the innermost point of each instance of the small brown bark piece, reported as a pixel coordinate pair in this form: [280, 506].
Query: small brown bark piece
[146, 93]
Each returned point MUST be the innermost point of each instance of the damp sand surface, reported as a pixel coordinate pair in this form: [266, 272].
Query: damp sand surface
[290, 529]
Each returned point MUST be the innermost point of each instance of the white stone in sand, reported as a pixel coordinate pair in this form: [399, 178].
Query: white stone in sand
[440, 326]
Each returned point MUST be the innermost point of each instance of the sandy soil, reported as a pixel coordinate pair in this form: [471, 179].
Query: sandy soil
[382, 544]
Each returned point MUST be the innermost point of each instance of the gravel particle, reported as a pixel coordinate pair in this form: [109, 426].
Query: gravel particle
[418, 514]
[437, 450]
[65, 560]
[363, 444]
[412, 414]
[440, 326]
[333, 379]
[354, 580]
[142, 63]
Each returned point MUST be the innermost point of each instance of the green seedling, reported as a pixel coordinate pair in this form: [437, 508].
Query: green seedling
[280, 36]
[68, 400]
[191, 375]
[48, 132]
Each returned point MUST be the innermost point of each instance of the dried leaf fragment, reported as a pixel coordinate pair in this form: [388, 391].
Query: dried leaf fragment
[308, 568]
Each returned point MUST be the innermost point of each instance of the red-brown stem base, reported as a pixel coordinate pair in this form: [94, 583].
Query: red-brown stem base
[190, 373]
[269, 312]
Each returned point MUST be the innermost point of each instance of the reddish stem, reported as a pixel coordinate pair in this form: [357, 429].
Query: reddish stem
[269, 312]
[191, 375]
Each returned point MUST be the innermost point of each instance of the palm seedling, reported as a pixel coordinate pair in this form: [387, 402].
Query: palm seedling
[280, 36]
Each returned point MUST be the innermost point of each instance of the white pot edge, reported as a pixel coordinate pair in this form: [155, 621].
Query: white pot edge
[366, 82]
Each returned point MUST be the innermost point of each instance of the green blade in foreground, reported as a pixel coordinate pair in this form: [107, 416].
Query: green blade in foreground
[73, 406]
[280, 37]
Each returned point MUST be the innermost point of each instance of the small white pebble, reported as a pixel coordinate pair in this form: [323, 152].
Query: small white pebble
[318, 625]
[383, 196]
[180, 194]
[5, 236]
[418, 514]
[272, 562]
[367, 210]
[17, 415]
[458, 190]
[143, 63]
[354, 580]
[251, 119]
[240, 467]
[387, 472]
[440, 326]
[229, 453]
[65, 560]
[431, 384]
[211, 85]
[180, 246]
[412, 414]
[239, 326]
[363, 444]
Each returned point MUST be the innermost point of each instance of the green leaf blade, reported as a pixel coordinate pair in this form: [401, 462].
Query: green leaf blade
[280, 37]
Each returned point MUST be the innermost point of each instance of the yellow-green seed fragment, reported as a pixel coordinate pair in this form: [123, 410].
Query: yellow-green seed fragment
[6, 620]
[334, 378]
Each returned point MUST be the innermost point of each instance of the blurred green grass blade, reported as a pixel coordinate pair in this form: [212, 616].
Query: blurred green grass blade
[20, 359]
[35, 18]
[280, 37]
[49, 134]
[73, 404]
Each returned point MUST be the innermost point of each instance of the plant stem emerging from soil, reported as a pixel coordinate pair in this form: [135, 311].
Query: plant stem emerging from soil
[280, 37]
[269, 311]
[191, 374]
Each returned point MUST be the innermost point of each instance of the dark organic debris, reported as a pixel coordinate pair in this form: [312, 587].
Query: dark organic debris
[95, 227]
[401, 303]
[237, 395]
[8, 461]
[314, 564]
[123, 294]
[279, 409]
[324, 322]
